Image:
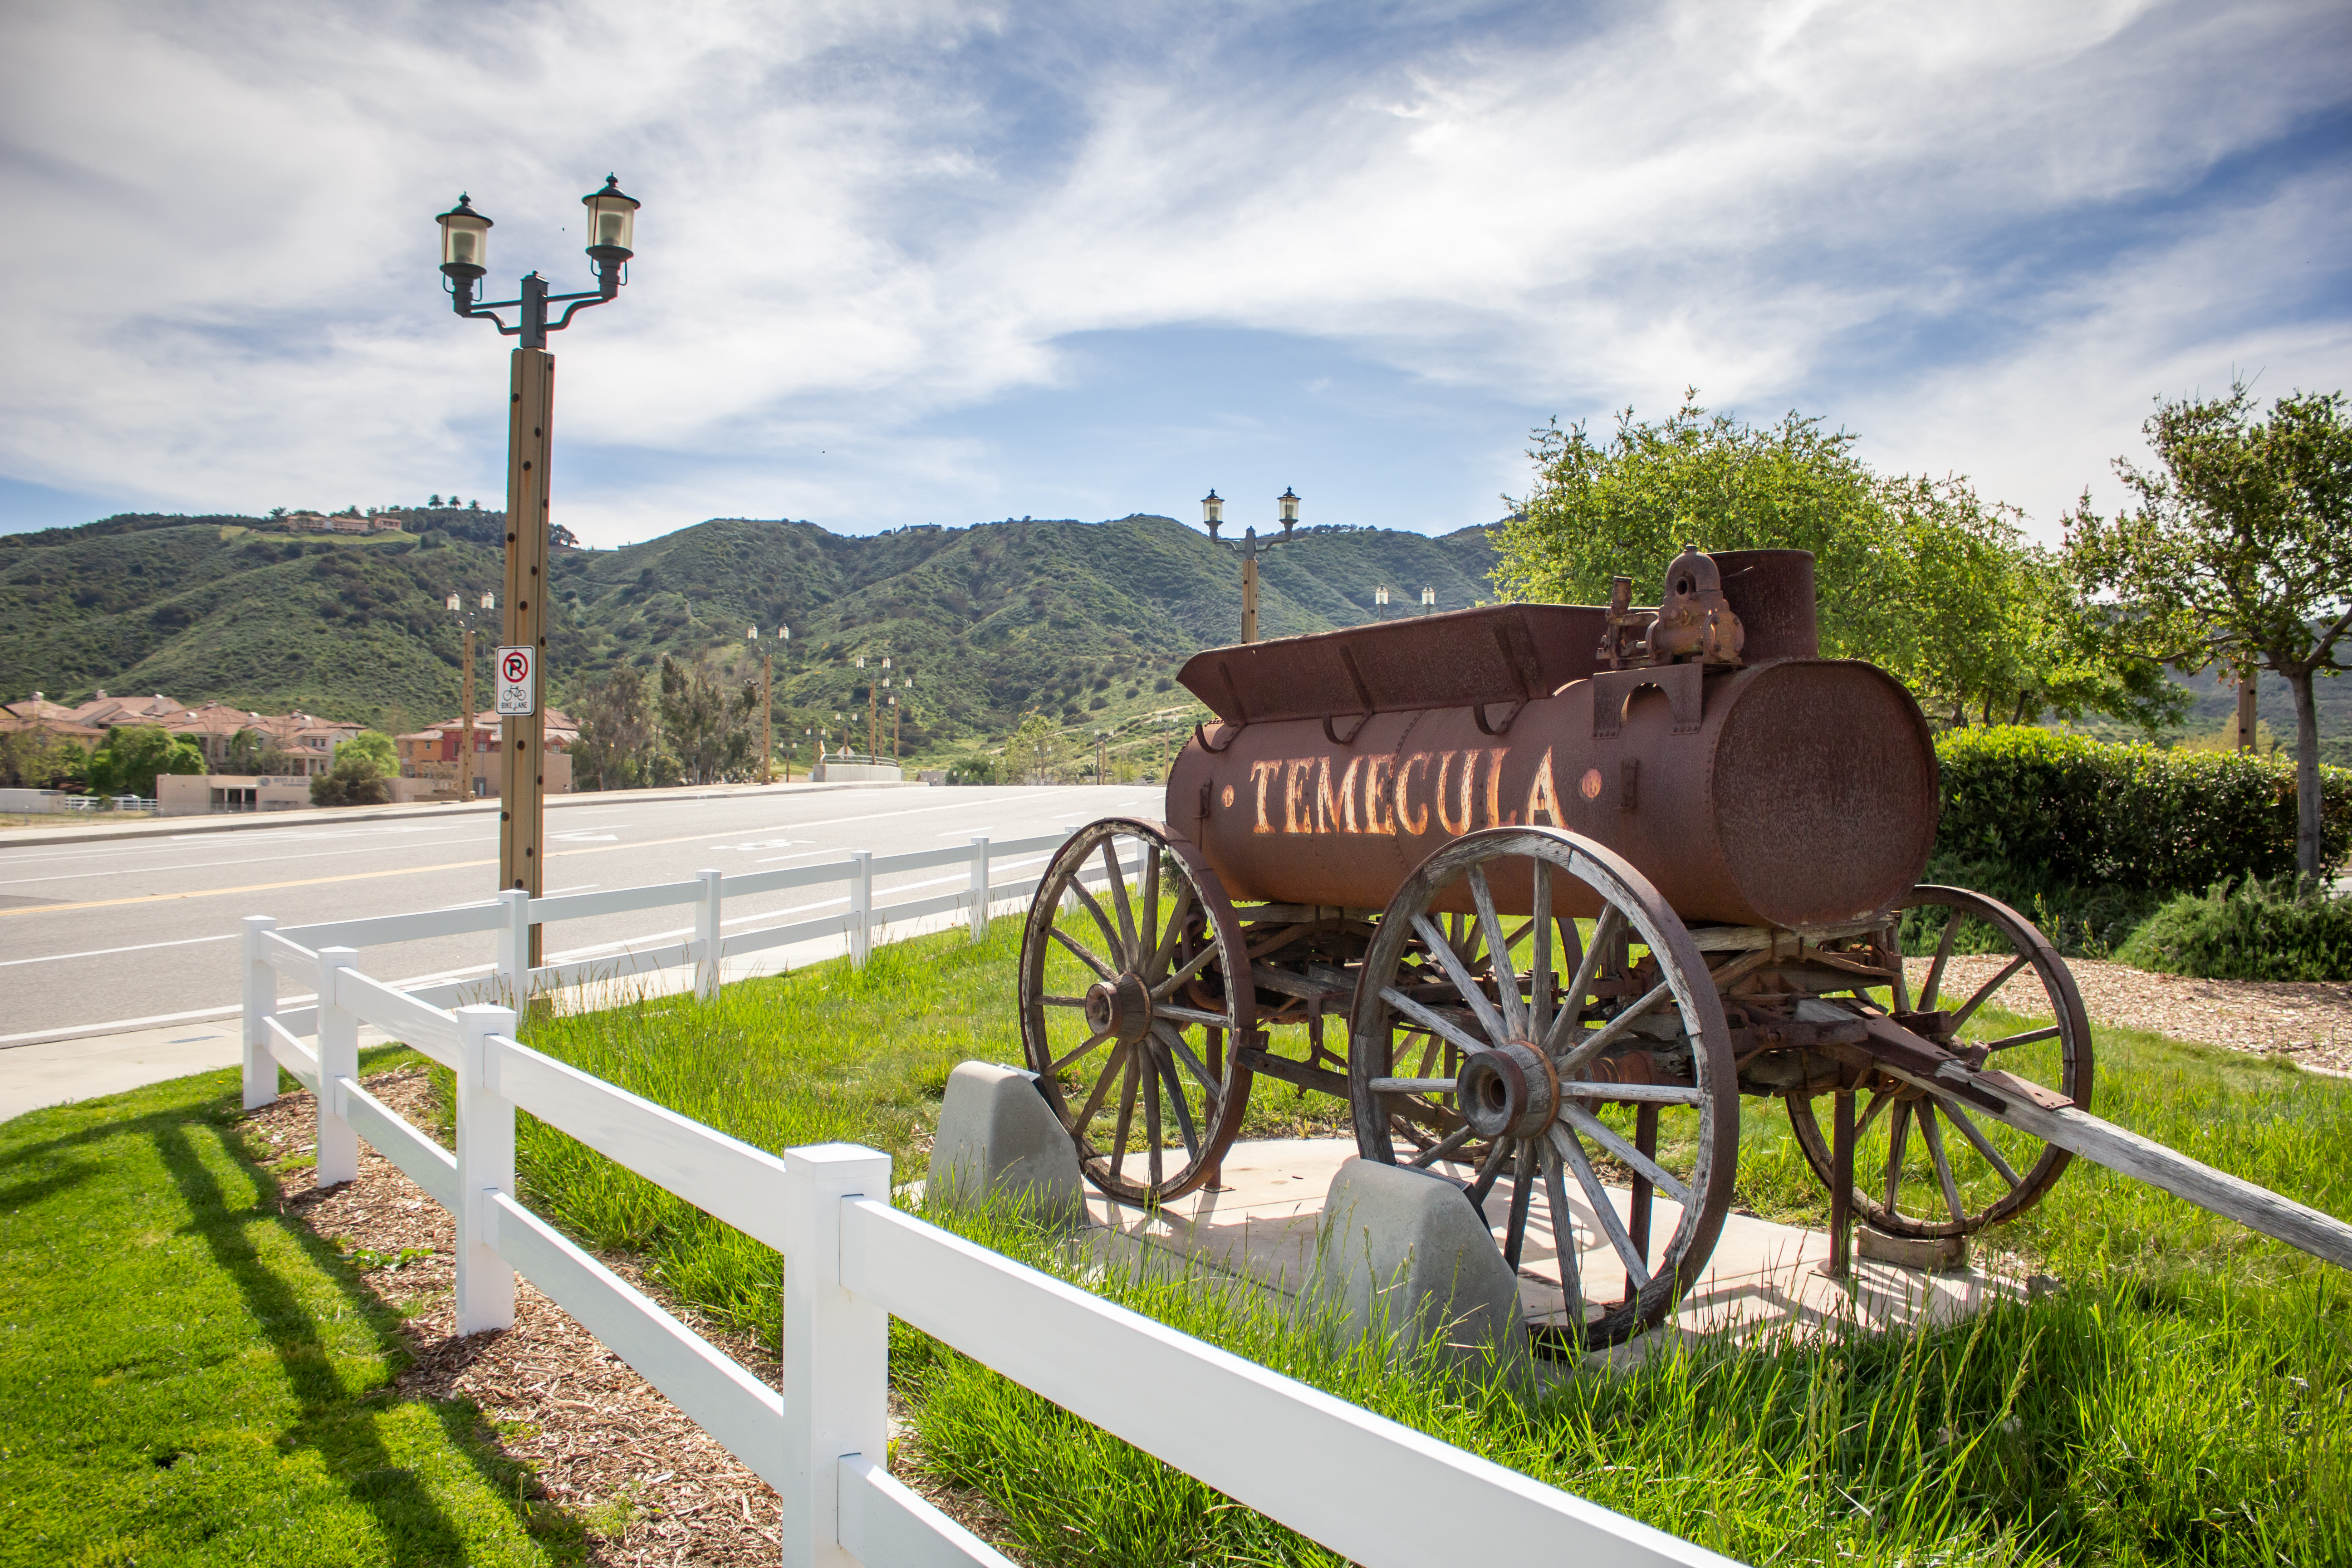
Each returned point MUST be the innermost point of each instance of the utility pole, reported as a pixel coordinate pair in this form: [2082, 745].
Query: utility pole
[766, 718]
[2247, 727]
[465, 756]
[522, 738]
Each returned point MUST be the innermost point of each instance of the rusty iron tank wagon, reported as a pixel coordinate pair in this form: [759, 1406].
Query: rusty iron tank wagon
[1543, 891]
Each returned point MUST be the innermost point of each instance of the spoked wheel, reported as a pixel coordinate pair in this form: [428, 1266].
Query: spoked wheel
[1964, 1170]
[1126, 1012]
[1519, 1054]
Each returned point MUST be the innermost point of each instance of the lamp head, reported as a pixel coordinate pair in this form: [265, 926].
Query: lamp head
[612, 222]
[1289, 504]
[464, 241]
[1212, 511]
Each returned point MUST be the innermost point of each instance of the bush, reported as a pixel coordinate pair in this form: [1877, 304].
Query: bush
[2066, 811]
[2088, 839]
[2252, 931]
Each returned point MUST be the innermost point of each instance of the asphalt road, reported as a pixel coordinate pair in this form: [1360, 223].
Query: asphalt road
[144, 931]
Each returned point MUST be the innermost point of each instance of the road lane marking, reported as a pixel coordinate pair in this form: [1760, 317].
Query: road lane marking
[104, 951]
[413, 870]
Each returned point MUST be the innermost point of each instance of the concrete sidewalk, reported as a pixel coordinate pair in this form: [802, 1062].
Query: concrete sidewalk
[1262, 1226]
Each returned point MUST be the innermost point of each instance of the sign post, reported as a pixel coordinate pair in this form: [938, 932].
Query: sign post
[522, 726]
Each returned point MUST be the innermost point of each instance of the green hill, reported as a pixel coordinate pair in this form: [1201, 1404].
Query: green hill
[1086, 622]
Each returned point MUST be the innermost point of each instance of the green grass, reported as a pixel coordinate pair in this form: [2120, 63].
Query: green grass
[2188, 1398]
[188, 1375]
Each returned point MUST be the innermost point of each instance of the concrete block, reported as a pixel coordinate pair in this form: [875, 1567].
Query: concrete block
[1404, 1255]
[1935, 1254]
[1000, 1143]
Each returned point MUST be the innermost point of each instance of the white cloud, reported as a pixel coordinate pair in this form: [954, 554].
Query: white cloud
[860, 216]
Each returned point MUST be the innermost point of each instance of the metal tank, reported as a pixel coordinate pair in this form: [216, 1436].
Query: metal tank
[1755, 782]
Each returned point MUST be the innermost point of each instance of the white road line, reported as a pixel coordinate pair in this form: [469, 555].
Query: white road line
[208, 865]
[104, 951]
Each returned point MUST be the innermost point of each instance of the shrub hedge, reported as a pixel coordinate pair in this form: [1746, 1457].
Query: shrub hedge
[2089, 839]
[2066, 810]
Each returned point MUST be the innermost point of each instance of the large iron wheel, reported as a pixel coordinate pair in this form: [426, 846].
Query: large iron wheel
[1965, 1171]
[1546, 1058]
[1127, 1015]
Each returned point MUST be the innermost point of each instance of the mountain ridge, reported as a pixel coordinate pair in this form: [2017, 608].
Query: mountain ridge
[1083, 621]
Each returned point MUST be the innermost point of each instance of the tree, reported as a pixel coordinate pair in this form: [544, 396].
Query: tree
[701, 723]
[33, 759]
[1920, 575]
[133, 757]
[2237, 552]
[253, 752]
[1629, 505]
[363, 764]
[617, 732]
[1033, 753]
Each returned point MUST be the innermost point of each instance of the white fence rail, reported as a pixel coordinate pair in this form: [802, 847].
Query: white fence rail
[1363, 1486]
[512, 915]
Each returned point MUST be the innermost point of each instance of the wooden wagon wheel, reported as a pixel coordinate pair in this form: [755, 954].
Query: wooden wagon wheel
[1124, 1008]
[1964, 1170]
[1579, 1058]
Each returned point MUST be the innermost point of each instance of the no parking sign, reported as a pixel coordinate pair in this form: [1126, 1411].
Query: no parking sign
[517, 682]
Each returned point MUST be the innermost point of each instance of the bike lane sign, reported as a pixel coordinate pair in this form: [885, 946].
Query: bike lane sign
[517, 682]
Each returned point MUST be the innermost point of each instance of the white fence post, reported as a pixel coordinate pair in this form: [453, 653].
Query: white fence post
[485, 1143]
[339, 1058]
[260, 1003]
[861, 908]
[836, 1349]
[708, 936]
[514, 948]
[978, 887]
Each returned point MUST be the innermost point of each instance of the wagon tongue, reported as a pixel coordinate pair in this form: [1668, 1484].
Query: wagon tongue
[2030, 1108]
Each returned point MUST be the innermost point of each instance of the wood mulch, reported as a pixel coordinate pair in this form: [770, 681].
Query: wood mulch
[602, 1444]
[2306, 1023]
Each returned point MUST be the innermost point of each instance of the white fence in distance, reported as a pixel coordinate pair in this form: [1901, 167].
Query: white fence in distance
[512, 915]
[1376, 1491]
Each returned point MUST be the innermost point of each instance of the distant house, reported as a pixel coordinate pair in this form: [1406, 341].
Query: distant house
[38, 715]
[112, 712]
[437, 749]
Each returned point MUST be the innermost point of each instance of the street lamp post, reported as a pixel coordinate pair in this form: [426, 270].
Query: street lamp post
[467, 619]
[522, 739]
[1249, 547]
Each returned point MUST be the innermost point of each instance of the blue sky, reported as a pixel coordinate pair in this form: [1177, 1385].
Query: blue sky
[944, 263]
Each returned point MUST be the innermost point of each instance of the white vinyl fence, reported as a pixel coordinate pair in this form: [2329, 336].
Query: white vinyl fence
[513, 914]
[1378, 1492]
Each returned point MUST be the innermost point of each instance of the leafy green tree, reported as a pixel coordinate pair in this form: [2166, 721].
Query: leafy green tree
[1626, 506]
[1921, 577]
[616, 732]
[697, 717]
[31, 759]
[362, 766]
[2237, 551]
[253, 752]
[1033, 753]
[133, 757]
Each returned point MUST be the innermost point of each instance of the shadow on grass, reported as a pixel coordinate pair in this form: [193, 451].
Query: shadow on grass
[339, 1424]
